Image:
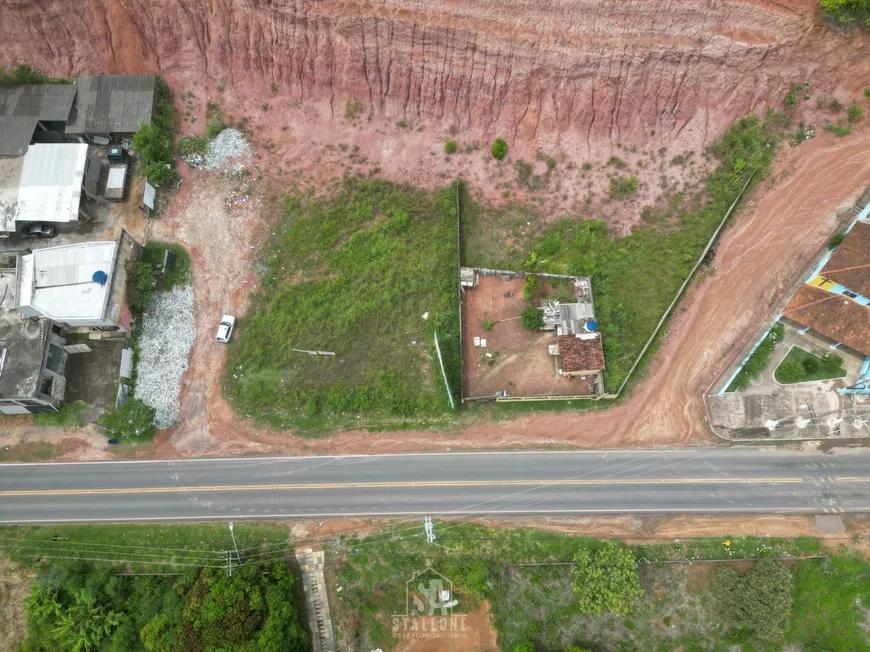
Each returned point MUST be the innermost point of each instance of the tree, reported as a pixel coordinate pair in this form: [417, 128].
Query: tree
[758, 603]
[499, 149]
[152, 144]
[533, 319]
[606, 579]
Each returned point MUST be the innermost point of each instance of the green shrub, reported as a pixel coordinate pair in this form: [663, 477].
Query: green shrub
[134, 422]
[533, 319]
[141, 282]
[551, 162]
[450, 147]
[274, 88]
[530, 286]
[24, 74]
[847, 13]
[401, 124]
[488, 324]
[213, 128]
[352, 108]
[616, 162]
[855, 112]
[835, 240]
[838, 128]
[499, 149]
[789, 99]
[758, 603]
[835, 105]
[623, 187]
[192, 145]
[606, 580]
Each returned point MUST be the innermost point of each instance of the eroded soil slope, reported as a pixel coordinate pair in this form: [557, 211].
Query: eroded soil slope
[566, 73]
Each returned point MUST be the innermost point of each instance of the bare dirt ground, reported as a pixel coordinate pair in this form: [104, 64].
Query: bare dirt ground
[479, 636]
[522, 365]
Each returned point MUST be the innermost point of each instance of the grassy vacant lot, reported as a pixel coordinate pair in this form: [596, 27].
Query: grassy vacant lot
[634, 277]
[537, 606]
[801, 366]
[353, 274]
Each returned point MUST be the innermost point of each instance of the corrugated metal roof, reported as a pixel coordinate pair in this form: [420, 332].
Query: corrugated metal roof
[51, 182]
[106, 104]
[43, 101]
[15, 134]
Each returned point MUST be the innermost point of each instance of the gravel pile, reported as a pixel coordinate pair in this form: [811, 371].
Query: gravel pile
[228, 152]
[168, 333]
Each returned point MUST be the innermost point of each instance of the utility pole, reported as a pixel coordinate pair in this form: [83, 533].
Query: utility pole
[234, 543]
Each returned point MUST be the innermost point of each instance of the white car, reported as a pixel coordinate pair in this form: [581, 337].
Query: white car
[225, 330]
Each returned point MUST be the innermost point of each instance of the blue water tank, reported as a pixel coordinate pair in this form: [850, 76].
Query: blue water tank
[590, 326]
[100, 277]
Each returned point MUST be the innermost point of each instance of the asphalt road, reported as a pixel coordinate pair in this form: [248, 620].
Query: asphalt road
[713, 480]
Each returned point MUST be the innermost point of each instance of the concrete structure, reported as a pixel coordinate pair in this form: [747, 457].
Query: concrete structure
[78, 285]
[112, 105]
[316, 600]
[32, 355]
[44, 185]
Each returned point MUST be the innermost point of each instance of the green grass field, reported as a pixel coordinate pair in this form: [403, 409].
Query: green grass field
[536, 606]
[353, 275]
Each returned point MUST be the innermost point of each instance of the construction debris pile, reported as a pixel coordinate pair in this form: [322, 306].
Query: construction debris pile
[228, 152]
[168, 333]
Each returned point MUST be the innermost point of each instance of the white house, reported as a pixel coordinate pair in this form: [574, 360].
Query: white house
[78, 285]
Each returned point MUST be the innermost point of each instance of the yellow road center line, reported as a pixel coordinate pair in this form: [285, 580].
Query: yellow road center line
[393, 485]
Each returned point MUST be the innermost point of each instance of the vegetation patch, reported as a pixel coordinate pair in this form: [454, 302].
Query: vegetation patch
[602, 595]
[184, 601]
[759, 359]
[634, 277]
[847, 13]
[24, 74]
[369, 275]
[801, 366]
[499, 149]
[68, 416]
[154, 142]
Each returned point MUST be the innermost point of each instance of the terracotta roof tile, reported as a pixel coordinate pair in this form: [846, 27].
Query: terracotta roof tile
[833, 315]
[580, 355]
[849, 265]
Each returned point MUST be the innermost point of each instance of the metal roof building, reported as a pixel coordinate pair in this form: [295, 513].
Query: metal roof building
[44, 185]
[58, 282]
[23, 107]
[112, 104]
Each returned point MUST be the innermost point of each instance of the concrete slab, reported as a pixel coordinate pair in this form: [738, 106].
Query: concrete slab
[93, 377]
[829, 524]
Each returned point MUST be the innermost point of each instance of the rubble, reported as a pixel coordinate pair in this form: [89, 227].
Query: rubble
[228, 152]
[168, 332]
